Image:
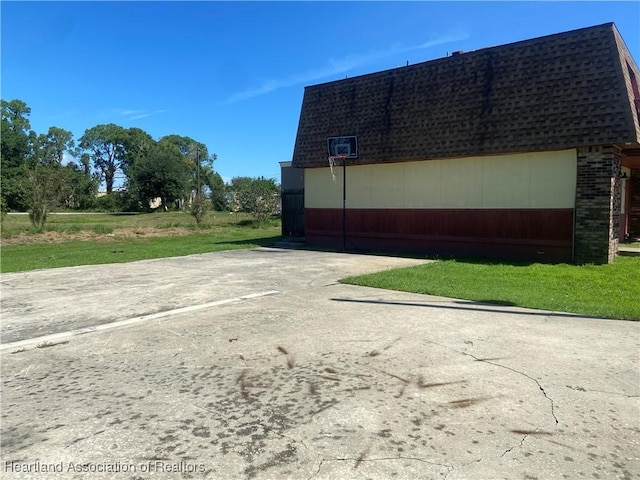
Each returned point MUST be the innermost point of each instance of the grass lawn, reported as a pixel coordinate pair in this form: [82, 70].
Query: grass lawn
[609, 291]
[89, 239]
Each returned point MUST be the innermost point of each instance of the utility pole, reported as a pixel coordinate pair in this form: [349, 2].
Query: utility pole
[344, 203]
[198, 172]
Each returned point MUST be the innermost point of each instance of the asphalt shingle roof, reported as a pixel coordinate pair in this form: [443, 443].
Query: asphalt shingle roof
[560, 91]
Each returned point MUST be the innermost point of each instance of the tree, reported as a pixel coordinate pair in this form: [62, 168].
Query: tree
[79, 187]
[199, 207]
[44, 189]
[197, 155]
[15, 142]
[256, 196]
[187, 146]
[203, 180]
[85, 162]
[15, 150]
[54, 144]
[137, 144]
[106, 145]
[160, 173]
[47, 180]
[216, 191]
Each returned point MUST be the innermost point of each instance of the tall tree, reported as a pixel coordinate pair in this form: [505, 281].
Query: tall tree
[55, 143]
[160, 173]
[14, 135]
[80, 187]
[187, 146]
[15, 150]
[197, 155]
[47, 179]
[138, 144]
[85, 162]
[106, 145]
[203, 181]
[217, 191]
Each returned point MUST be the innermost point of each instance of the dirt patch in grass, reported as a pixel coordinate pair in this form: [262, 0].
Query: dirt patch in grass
[117, 234]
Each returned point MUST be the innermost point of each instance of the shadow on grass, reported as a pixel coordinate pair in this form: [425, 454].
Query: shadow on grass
[465, 305]
[252, 223]
[419, 256]
[261, 241]
[356, 251]
[502, 303]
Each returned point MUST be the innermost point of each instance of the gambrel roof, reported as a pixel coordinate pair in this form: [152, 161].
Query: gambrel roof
[560, 91]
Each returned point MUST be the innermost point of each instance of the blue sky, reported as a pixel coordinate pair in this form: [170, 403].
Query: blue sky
[232, 74]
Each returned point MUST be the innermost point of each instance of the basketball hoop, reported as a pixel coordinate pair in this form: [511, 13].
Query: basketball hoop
[332, 163]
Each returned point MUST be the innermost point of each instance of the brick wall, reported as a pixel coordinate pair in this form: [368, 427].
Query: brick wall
[598, 200]
[634, 211]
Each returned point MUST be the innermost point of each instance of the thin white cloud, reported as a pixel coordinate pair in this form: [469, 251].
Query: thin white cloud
[342, 65]
[126, 113]
[131, 114]
[142, 114]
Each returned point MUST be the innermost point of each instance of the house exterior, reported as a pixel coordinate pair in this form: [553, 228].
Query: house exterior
[529, 151]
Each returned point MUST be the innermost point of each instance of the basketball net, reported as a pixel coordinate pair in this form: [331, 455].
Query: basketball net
[332, 163]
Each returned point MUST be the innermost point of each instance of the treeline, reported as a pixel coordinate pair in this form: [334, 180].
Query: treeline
[174, 172]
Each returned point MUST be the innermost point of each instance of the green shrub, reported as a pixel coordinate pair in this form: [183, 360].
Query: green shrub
[199, 208]
[118, 202]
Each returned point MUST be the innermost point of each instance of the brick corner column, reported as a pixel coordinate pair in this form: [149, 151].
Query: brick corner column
[634, 210]
[598, 202]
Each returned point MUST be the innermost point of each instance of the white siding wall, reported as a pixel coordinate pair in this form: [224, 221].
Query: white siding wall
[530, 180]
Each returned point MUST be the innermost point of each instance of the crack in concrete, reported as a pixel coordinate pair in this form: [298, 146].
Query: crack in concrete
[452, 468]
[360, 459]
[306, 447]
[603, 391]
[318, 470]
[516, 446]
[553, 412]
[400, 457]
[472, 461]
[379, 459]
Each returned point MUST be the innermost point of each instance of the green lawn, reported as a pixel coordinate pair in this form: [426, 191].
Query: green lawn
[222, 232]
[609, 291]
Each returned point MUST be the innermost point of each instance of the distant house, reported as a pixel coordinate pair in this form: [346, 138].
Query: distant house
[529, 150]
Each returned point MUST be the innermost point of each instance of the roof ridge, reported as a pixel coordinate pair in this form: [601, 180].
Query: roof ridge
[610, 25]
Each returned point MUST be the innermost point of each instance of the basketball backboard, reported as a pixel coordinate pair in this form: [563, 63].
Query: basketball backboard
[345, 146]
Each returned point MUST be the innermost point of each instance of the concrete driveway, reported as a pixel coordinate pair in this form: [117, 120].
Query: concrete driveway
[258, 364]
